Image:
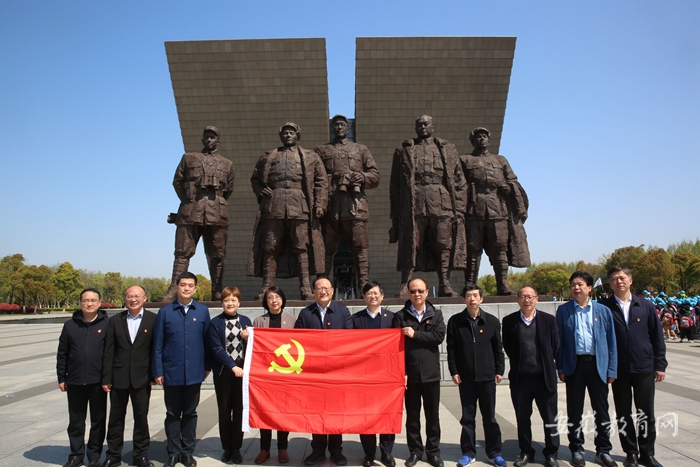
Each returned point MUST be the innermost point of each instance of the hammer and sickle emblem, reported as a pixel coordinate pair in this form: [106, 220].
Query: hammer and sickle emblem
[294, 365]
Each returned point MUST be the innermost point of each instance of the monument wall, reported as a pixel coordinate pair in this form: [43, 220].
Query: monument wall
[248, 88]
[462, 82]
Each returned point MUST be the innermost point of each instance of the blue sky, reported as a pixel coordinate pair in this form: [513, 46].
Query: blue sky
[601, 125]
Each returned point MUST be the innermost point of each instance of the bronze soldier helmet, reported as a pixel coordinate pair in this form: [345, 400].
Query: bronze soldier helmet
[292, 125]
[212, 129]
[340, 117]
[477, 130]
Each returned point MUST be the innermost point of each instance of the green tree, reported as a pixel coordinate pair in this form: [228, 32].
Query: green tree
[155, 287]
[203, 293]
[66, 279]
[488, 283]
[113, 287]
[685, 246]
[627, 256]
[550, 279]
[9, 267]
[653, 269]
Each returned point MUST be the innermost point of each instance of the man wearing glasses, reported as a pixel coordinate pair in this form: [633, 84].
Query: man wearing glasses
[424, 328]
[126, 375]
[476, 362]
[79, 369]
[325, 314]
[531, 340]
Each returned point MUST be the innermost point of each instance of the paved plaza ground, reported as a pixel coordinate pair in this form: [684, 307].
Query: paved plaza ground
[34, 417]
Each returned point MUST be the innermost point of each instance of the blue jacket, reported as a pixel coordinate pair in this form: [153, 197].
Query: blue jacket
[603, 332]
[216, 343]
[179, 353]
[337, 317]
[640, 344]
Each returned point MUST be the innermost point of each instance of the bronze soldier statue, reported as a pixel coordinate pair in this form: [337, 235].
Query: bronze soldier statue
[427, 207]
[351, 170]
[496, 210]
[292, 189]
[203, 181]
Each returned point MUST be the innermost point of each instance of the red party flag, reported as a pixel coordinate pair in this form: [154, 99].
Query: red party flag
[324, 381]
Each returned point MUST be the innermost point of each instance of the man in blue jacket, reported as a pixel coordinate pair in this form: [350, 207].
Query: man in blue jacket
[79, 369]
[587, 358]
[325, 314]
[641, 361]
[180, 364]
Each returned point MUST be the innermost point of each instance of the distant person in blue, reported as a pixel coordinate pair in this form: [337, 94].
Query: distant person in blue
[641, 352]
[180, 364]
[79, 370]
[587, 359]
[226, 339]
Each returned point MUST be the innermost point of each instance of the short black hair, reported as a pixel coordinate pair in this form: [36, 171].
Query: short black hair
[370, 285]
[587, 278]
[616, 269]
[278, 291]
[313, 284]
[528, 286]
[469, 287]
[91, 289]
[186, 275]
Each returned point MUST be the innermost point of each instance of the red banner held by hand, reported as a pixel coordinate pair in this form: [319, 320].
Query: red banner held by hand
[324, 381]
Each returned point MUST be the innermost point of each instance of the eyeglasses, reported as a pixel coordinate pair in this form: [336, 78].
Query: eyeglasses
[134, 297]
[90, 300]
[324, 289]
[417, 291]
[527, 298]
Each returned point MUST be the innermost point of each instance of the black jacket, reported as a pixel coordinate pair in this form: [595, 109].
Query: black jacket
[423, 350]
[337, 317]
[126, 364]
[359, 319]
[547, 342]
[80, 349]
[475, 356]
[640, 345]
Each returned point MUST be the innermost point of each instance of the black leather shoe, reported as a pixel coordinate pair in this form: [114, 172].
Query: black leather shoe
[388, 460]
[236, 456]
[74, 461]
[188, 460]
[522, 460]
[339, 459]
[577, 459]
[435, 461]
[605, 459]
[95, 462]
[649, 462]
[226, 456]
[111, 463]
[172, 461]
[315, 457]
[143, 462]
[367, 461]
[412, 460]
[631, 461]
[551, 462]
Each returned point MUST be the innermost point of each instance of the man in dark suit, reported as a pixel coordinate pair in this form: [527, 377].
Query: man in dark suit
[180, 363]
[641, 361]
[531, 340]
[325, 314]
[587, 359]
[374, 317]
[476, 362]
[424, 328]
[126, 368]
